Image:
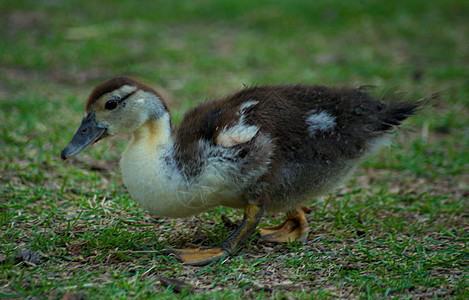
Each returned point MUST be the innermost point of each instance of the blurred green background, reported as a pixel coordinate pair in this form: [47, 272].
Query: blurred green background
[54, 52]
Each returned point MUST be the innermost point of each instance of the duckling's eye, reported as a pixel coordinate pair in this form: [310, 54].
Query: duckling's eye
[111, 104]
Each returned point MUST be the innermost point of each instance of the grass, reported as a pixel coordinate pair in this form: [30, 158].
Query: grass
[398, 229]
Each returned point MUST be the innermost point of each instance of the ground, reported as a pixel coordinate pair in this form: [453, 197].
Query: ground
[398, 229]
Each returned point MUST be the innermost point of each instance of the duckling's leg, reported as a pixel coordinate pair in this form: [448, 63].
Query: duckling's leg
[205, 255]
[294, 228]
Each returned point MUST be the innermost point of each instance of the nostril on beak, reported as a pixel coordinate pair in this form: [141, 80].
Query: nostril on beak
[84, 130]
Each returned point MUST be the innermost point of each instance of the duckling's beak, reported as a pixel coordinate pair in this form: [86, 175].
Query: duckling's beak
[88, 133]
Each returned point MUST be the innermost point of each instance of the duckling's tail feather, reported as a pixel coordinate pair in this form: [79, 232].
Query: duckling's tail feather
[395, 112]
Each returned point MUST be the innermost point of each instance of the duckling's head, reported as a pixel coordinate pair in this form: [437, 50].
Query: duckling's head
[119, 105]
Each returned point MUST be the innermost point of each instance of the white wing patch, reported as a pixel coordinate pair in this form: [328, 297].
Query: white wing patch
[246, 105]
[239, 133]
[321, 121]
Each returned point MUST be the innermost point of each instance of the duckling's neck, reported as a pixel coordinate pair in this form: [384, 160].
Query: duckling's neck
[147, 166]
[153, 133]
[149, 144]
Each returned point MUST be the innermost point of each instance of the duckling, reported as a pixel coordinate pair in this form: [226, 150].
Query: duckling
[262, 149]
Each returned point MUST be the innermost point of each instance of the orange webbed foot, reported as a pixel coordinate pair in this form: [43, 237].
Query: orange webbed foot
[205, 255]
[294, 228]
[199, 256]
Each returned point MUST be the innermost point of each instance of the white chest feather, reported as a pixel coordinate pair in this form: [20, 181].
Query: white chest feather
[150, 174]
